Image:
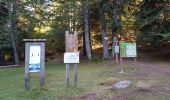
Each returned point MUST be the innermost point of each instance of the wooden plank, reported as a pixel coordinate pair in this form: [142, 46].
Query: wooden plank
[71, 42]
[66, 39]
[76, 41]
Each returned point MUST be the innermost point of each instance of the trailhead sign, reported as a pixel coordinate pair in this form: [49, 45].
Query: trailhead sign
[34, 60]
[71, 56]
[128, 49]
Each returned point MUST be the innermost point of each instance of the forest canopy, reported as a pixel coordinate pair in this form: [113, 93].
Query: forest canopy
[99, 23]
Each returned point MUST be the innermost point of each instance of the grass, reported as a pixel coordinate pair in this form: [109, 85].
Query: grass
[90, 75]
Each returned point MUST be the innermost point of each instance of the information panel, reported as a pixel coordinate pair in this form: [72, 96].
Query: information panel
[128, 49]
[34, 59]
[131, 49]
[71, 57]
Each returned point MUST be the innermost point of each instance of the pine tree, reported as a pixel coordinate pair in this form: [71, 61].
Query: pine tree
[154, 16]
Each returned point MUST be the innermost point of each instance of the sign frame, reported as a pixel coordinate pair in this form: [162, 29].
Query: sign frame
[39, 43]
[128, 49]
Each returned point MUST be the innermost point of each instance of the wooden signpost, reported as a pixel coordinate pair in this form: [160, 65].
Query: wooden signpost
[34, 60]
[71, 56]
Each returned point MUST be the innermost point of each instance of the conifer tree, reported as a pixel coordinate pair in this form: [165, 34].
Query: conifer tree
[154, 16]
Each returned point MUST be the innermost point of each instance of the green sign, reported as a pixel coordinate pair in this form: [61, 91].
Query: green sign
[123, 49]
[128, 49]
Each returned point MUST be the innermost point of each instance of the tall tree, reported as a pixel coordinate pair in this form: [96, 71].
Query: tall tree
[154, 21]
[12, 29]
[86, 29]
[103, 30]
[4, 37]
[115, 22]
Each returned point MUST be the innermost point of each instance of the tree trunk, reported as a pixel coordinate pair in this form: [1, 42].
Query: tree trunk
[86, 29]
[13, 31]
[115, 23]
[103, 32]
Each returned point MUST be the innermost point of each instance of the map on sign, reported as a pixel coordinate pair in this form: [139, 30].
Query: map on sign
[34, 59]
[71, 57]
[131, 49]
[128, 49]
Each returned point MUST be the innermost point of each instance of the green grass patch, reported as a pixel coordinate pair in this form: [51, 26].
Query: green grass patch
[90, 76]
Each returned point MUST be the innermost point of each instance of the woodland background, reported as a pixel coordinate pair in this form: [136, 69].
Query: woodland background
[99, 23]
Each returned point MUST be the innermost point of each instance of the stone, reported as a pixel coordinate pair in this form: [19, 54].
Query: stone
[122, 84]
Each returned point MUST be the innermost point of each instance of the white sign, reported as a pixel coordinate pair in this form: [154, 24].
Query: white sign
[34, 59]
[116, 49]
[131, 50]
[34, 55]
[71, 57]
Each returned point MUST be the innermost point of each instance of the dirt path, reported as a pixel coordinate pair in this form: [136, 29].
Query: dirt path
[146, 66]
[150, 67]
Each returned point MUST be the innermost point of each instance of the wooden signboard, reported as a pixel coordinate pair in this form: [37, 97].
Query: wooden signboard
[34, 60]
[71, 42]
[127, 50]
[71, 56]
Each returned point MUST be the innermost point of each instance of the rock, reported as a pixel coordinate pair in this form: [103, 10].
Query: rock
[122, 85]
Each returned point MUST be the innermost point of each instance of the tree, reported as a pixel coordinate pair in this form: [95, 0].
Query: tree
[115, 22]
[4, 37]
[86, 29]
[103, 30]
[154, 21]
[13, 29]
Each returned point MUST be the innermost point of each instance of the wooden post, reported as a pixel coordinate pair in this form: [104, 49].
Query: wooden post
[121, 60]
[42, 68]
[135, 64]
[67, 74]
[117, 58]
[117, 51]
[75, 74]
[27, 73]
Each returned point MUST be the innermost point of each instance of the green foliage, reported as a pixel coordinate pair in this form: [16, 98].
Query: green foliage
[166, 36]
[36, 19]
[154, 21]
[4, 39]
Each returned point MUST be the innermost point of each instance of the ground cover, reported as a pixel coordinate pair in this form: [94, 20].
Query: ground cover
[150, 81]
